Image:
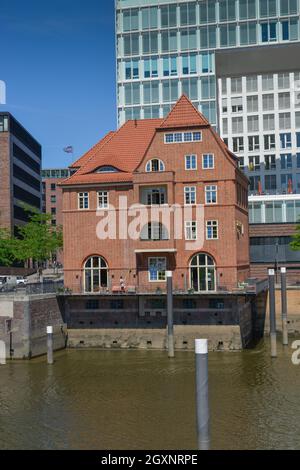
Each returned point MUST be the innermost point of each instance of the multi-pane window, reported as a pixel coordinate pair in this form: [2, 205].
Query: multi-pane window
[211, 194]
[53, 199]
[191, 230]
[270, 162]
[188, 39]
[157, 269]
[253, 143]
[254, 163]
[286, 181]
[151, 68]
[253, 123]
[208, 37]
[180, 137]
[267, 8]
[150, 18]
[207, 62]
[269, 142]
[189, 64]
[3, 123]
[252, 104]
[190, 195]
[227, 10]
[168, 16]
[131, 20]
[150, 43]
[251, 84]
[103, 201]
[170, 91]
[237, 105]
[228, 35]
[155, 165]
[283, 80]
[288, 7]
[270, 182]
[169, 66]
[191, 162]
[236, 85]
[269, 122]
[268, 102]
[286, 140]
[156, 196]
[212, 230]
[286, 161]
[131, 44]
[83, 200]
[285, 120]
[132, 93]
[238, 144]
[267, 82]
[207, 12]
[169, 41]
[254, 182]
[187, 14]
[248, 33]
[131, 69]
[247, 9]
[208, 161]
[151, 92]
[190, 88]
[237, 125]
[284, 100]
[269, 32]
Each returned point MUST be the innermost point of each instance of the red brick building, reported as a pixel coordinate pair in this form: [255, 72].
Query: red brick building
[178, 162]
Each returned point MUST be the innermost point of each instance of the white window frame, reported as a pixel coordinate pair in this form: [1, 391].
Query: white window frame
[182, 137]
[191, 230]
[189, 190]
[208, 189]
[161, 166]
[216, 225]
[213, 161]
[158, 272]
[82, 196]
[191, 157]
[101, 195]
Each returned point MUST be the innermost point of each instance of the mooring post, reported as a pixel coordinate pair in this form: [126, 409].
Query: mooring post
[50, 345]
[285, 336]
[170, 314]
[203, 420]
[272, 303]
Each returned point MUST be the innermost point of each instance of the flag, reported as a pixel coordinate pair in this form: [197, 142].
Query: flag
[69, 149]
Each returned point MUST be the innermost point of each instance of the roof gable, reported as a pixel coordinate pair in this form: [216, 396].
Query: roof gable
[184, 114]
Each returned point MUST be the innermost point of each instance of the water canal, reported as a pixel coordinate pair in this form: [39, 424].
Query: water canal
[142, 400]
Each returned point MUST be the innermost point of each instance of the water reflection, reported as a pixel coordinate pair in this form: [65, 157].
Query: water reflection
[131, 400]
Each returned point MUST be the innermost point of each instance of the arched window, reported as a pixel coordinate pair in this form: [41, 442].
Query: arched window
[95, 274]
[203, 273]
[155, 165]
[154, 231]
[107, 169]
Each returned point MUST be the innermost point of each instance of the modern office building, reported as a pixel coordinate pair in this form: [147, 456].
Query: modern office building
[20, 172]
[237, 62]
[273, 221]
[53, 198]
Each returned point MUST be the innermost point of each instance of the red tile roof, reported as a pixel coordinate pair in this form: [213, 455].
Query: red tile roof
[125, 148]
[90, 153]
[184, 112]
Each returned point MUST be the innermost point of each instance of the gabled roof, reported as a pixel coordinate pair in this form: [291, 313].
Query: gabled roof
[126, 148]
[90, 153]
[184, 112]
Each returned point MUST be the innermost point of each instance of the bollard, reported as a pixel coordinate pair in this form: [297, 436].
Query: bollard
[171, 352]
[203, 427]
[50, 345]
[272, 312]
[285, 335]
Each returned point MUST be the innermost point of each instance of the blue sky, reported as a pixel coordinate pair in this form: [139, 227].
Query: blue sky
[58, 63]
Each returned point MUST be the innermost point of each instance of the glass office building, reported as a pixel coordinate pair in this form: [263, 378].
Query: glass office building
[206, 49]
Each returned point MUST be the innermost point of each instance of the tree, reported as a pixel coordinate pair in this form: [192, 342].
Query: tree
[7, 248]
[38, 239]
[295, 244]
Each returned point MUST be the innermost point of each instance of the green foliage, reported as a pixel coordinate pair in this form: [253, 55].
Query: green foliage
[37, 240]
[7, 256]
[295, 244]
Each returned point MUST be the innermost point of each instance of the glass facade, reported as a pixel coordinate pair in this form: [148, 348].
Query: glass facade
[166, 48]
[274, 211]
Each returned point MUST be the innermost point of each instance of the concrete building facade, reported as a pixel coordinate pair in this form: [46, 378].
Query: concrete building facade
[20, 172]
[160, 164]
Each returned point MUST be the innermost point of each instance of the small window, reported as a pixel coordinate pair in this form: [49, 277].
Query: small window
[212, 230]
[190, 195]
[53, 187]
[208, 161]
[107, 169]
[83, 201]
[155, 165]
[211, 194]
[157, 269]
[103, 199]
[191, 162]
[191, 230]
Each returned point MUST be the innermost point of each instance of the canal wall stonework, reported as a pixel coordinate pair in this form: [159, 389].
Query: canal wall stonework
[293, 301]
[23, 322]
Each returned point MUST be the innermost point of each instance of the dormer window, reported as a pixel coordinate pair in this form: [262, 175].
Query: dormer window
[107, 169]
[155, 166]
